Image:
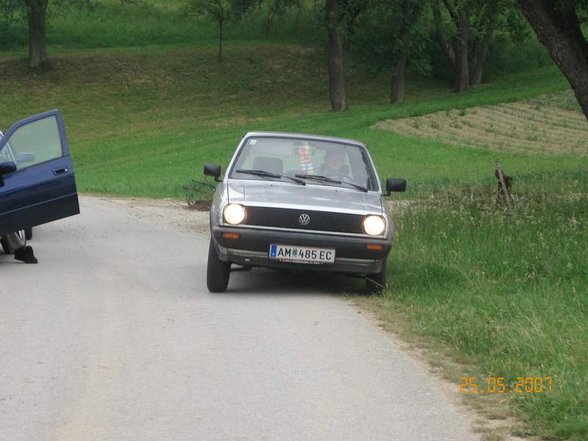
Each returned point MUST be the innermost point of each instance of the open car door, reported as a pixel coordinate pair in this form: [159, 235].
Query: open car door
[37, 183]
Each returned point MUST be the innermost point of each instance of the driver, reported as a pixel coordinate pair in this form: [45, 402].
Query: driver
[334, 164]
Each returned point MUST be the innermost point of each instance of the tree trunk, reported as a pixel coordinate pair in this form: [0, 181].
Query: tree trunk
[481, 55]
[36, 15]
[461, 68]
[336, 83]
[558, 29]
[220, 40]
[398, 80]
[445, 45]
[457, 51]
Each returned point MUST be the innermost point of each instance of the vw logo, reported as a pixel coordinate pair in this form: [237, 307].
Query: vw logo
[304, 219]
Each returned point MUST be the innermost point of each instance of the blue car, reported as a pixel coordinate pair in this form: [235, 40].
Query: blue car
[37, 183]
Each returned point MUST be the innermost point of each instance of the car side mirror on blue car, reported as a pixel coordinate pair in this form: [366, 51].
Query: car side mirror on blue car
[5, 169]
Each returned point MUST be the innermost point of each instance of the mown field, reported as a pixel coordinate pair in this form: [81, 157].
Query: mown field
[498, 293]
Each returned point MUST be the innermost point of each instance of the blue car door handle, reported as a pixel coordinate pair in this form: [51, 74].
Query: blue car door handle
[60, 171]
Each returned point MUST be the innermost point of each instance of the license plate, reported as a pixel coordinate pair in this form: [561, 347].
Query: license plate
[290, 253]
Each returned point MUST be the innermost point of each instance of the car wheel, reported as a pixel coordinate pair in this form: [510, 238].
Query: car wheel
[217, 272]
[375, 283]
[29, 233]
[20, 241]
[4, 244]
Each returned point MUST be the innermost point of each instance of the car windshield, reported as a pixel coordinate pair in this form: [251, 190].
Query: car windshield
[316, 162]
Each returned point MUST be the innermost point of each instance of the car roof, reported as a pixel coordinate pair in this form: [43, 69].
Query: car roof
[304, 136]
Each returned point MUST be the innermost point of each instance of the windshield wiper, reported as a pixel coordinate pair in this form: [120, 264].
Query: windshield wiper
[332, 181]
[265, 174]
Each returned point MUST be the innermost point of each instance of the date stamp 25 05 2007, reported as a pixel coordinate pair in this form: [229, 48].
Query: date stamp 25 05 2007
[498, 385]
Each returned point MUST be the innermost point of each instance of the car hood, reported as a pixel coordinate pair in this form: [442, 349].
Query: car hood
[310, 197]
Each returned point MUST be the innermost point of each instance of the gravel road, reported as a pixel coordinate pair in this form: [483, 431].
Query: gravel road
[113, 336]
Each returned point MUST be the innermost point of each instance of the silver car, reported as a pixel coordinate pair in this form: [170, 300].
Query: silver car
[300, 202]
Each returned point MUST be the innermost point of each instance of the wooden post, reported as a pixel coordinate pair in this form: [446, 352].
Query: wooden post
[504, 186]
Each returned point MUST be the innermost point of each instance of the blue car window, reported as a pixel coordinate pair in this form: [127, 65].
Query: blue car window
[4, 154]
[36, 142]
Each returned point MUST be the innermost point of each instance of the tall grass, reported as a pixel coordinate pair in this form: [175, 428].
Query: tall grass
[508, 292]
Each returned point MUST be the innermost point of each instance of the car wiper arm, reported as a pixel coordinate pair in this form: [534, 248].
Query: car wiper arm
[331, 180]
[266, 174]
[318, 178]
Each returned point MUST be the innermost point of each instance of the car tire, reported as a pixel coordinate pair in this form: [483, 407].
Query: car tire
[29, 233]
[376, 282]
[217, 271]
[6, 245]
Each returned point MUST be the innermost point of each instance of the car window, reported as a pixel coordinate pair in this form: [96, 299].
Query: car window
[6, 154]
[292, 156]
[36, 142]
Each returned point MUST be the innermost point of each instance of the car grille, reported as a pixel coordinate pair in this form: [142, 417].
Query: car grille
[290, 218]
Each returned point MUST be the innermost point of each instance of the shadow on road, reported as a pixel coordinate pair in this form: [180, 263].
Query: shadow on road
[264, 281]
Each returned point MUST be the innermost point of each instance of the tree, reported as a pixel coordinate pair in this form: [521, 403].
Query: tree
[456, 51]
[37, 17]
[391, 34]
[486, 21]
[409, 12]
[12, 22]
[334, 22]
[220, 11]
[10, 9]
[558, 28]
[473, 23]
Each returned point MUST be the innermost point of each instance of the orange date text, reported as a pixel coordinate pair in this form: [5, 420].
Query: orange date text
[498, 385]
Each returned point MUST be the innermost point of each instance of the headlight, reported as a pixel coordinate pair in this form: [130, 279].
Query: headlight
[234, 214]
[374, 225]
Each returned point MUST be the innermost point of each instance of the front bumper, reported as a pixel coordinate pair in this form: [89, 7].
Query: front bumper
[252, 249]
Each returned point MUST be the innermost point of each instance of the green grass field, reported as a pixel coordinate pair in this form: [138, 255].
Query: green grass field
[504, 295]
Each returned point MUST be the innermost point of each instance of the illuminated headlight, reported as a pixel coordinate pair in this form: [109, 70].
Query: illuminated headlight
[374, 225]
[234, 214]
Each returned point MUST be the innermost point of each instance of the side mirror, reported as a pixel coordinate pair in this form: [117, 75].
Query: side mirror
[395, 184]
[213, 170]
[25, 157]
[7, 167]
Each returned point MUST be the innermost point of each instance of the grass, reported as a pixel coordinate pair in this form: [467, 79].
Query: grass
[142, 122]
[505, 294]
[508, 293]
[116, 24]
[515, 127]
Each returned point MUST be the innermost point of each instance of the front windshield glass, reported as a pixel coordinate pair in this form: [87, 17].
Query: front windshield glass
[342, 163]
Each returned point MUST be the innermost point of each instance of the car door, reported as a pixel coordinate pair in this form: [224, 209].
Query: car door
[37, 183]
